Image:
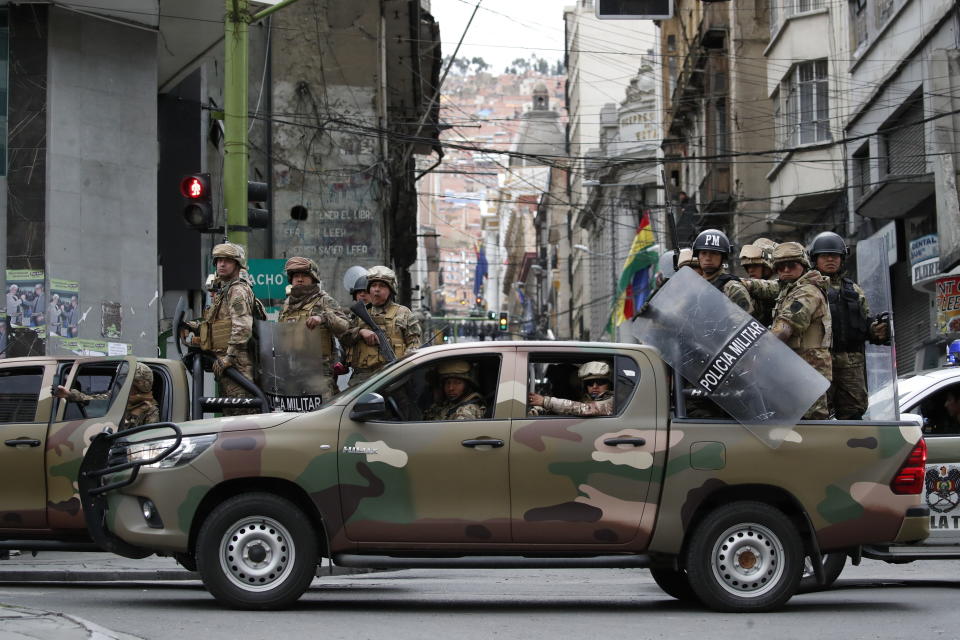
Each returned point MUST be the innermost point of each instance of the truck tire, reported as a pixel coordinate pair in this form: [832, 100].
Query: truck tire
[256, 551]
[744, 557]
[674, 583]
[833, 564]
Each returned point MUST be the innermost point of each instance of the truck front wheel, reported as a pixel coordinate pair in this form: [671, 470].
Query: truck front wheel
[744, 557]
[257, 551]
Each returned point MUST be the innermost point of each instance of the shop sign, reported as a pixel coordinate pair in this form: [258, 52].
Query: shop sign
[948, 304]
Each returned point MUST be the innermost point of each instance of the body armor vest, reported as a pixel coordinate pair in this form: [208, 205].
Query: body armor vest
[301, 314]
[214, 330]
[368, 357]
[850, 327]
[721, 281]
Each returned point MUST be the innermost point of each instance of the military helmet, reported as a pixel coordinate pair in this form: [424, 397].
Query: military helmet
[457, 369]
[791, 252]
[384, 275]
[751, 254]
[359, 285]
[298, 264]
[142, 378]
[233, 251]
[712, 240]
[594, 370]
[685, 258]
[828, 242]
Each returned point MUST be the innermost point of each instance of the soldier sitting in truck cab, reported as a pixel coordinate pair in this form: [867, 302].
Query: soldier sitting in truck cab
[597, 400]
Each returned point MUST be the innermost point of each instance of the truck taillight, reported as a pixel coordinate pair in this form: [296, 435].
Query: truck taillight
[909, 479]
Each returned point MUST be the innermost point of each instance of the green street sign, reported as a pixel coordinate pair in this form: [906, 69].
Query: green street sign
[269, 279]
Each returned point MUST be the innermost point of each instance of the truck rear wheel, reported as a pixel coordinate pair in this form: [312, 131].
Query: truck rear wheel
[674, 582]
[257, 551]
[744, 557]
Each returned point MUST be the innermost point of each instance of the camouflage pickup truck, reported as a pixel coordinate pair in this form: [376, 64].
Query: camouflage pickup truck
[45, 438]
[380, 477]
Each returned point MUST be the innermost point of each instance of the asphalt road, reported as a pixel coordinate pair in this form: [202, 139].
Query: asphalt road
[872, 601]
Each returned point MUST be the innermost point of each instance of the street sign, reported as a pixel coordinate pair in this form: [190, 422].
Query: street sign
[634, 9]
[269, 278]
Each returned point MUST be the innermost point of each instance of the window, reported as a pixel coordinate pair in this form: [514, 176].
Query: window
[578, 380]
[903, 141]
[940, 412]
[20, 393]
[858, 22]
[884, 9]
[780, 10]
[806, 106]
[424, 393]
[861, 171]
[100, 381]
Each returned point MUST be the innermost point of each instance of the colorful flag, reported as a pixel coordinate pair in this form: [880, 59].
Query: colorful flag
[636, 278]
[481, 272]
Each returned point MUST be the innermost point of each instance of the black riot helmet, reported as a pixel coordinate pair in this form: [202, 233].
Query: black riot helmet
[359, 285]
[712, 240]
[828, 242]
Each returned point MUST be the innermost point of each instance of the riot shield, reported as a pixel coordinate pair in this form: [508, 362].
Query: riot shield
[873, 273]
[292, 372]
[724, 352]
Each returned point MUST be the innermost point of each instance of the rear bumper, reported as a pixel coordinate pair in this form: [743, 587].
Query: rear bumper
[916, 525]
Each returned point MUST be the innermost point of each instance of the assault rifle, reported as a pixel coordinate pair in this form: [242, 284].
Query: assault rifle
[386, 350]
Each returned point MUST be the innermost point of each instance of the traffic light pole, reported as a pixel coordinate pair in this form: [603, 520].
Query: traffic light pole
[236, 154]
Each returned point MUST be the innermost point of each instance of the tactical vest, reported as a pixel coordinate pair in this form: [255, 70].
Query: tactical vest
[369, 357]
[850, 327]
[215, 331]
[721, 281]
[819, 335]
[301, 315]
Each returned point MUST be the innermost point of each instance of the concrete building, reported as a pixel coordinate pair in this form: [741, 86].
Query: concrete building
[111, 103]
[602, 57]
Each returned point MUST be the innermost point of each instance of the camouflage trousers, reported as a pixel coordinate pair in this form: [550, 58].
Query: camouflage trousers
[821, 360]
[230, 389]
[848, 390]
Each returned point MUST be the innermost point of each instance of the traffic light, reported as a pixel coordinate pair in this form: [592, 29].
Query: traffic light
[504, 323]
[197, 207]
[258, 193]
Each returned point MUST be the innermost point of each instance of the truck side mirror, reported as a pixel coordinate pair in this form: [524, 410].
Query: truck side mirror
[370, 406]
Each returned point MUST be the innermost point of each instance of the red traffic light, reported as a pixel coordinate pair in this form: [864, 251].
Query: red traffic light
[194, 188]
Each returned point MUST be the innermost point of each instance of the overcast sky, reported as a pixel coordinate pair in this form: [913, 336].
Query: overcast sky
[503, 30]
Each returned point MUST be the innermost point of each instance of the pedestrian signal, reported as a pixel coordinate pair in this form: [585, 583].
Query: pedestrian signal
[197, 207]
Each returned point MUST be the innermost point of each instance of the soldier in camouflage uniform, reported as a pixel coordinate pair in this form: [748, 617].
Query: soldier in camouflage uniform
[757, 260]
[712, 249]
[685, 258]
[141, 405]
[316, 310]
[397, 322]
[801, 317]
[227, 325]
[461, 398]
[597, 397]
[851, 329]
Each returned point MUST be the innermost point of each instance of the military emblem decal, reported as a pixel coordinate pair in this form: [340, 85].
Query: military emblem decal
[942, 484]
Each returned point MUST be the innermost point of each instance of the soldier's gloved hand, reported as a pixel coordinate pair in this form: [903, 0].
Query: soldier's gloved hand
[880, 329]
[369, 337]
[314, 322]
[222, 364]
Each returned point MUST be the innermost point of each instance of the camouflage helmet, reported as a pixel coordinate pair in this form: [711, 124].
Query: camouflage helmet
[758, 253]
[791, 252]
[298, 264]
[457, 369]
[382, 274]
[594, 370]
[232, 251]
[142, 378]
[685, 258]
[359, 285]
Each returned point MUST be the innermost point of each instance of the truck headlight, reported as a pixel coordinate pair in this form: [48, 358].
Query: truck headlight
[190, 447]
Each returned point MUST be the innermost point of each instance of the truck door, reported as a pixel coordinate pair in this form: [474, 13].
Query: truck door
[940, 409]
[25, 403]
[422, 474]
[583, 479]
[109, 381]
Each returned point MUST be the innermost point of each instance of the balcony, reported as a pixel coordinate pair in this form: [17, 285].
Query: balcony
[715, 193]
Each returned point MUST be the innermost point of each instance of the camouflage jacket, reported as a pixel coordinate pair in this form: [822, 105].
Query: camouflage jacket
[403, 331]
[319, 304]
[602, 406]
[234, 300]
[734, 290]
[802, 305]
[469, 408]
[141, 408]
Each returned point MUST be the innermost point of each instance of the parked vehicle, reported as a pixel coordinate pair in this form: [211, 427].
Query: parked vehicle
[714, 512]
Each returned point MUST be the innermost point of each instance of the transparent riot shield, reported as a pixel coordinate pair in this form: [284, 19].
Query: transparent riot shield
[292, 372]
[723, 351]
[873, 273]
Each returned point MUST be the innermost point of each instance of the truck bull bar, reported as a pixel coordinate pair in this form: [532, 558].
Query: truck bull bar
[96, 465]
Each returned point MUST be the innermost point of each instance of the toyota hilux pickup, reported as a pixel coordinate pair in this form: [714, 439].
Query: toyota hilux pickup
[720, 512]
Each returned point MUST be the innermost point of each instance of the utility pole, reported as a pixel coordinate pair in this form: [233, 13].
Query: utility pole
[236, 72]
